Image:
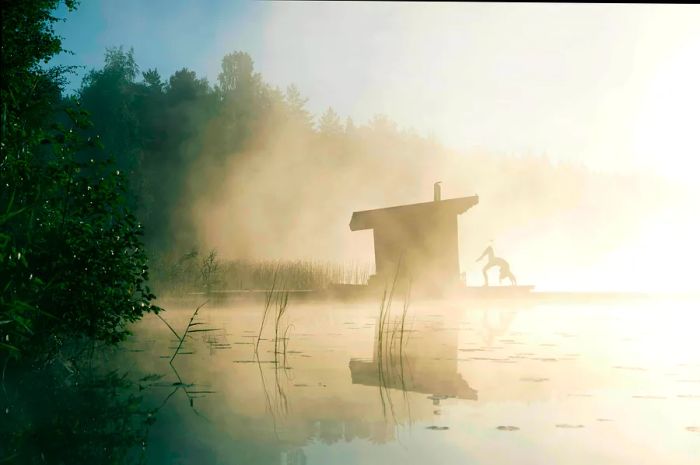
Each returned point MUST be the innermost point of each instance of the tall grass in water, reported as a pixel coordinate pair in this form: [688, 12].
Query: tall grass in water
[281, 310]
[276, 301]
[181, 339]
[185, 334]
[173, 274]
[387, 331]
[268, 300]
[297, 275]
[280, 298]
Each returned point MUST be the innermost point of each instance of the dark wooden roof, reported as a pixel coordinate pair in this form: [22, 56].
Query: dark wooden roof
[367, 219]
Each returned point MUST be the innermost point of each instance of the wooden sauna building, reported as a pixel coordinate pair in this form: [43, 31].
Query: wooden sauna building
[419, 240]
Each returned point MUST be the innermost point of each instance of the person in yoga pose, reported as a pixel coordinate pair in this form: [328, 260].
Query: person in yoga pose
[500, 263]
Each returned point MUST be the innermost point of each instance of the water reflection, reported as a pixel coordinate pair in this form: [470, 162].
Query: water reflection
[496, 323]
[452, 376]
[426, 364]
[69, 414]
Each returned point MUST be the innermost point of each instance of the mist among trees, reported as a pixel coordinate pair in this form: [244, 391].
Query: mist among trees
[244, 167]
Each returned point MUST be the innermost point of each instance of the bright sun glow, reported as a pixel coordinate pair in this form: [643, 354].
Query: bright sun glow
[666, 129]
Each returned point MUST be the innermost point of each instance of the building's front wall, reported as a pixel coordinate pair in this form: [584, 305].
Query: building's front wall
[425, 245]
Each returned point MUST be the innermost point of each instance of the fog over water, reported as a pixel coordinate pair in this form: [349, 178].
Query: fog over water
[472, 382]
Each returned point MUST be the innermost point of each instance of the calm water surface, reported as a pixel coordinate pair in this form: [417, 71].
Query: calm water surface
[464, 383]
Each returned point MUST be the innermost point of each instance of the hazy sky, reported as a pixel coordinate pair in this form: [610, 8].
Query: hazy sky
[612, 86]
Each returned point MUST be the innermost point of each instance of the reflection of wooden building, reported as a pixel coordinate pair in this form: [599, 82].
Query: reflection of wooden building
[428, 364]
[423, 236]
[426, 378]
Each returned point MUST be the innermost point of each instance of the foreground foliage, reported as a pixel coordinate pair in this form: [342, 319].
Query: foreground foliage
[71, 260]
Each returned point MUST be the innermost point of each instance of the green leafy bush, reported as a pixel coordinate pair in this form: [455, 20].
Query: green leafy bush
[71, 260]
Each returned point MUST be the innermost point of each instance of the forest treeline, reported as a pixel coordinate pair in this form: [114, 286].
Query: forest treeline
[174, 136]
[244, 167]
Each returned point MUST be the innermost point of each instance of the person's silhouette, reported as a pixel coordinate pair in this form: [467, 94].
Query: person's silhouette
[503, 266]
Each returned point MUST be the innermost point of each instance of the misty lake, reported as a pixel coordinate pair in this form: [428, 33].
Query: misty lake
[466, 382]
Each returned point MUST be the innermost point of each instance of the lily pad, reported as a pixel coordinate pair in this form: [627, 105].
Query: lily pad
[507, 428]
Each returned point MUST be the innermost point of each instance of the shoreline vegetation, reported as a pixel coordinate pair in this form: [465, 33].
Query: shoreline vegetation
[73, 267]
[173, 275]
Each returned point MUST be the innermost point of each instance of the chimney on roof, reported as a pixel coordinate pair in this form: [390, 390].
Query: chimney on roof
[436, 191]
